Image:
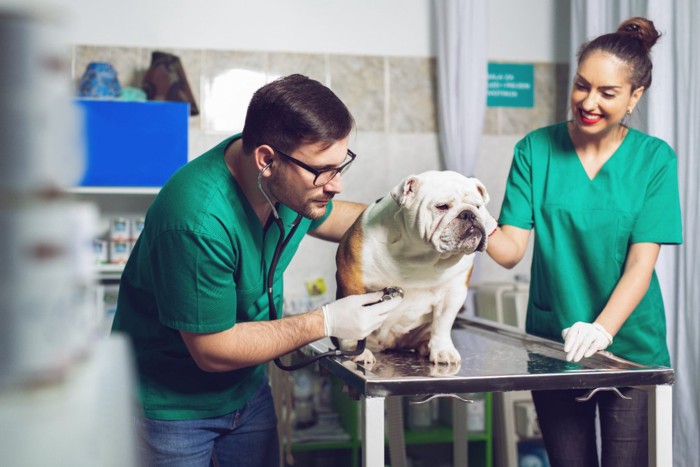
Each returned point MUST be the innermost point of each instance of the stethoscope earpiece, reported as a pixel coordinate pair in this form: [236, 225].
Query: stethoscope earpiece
[260, 174]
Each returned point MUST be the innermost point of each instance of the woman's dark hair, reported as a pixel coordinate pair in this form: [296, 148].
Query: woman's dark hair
[295, 110]
[631, 43]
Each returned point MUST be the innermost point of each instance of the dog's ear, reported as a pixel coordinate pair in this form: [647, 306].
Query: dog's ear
[482, 189]
[405, 192]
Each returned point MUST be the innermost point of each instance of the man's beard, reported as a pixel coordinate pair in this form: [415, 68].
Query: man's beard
[282, 189]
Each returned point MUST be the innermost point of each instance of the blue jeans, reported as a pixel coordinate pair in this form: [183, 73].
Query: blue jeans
[569, 431]
[245, 437]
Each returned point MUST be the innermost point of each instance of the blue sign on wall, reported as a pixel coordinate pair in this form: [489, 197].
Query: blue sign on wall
[511, 85]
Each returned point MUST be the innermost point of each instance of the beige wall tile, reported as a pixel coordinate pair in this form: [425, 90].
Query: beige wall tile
[359, 82]
[412, 95]
[491, 126]
[312, 65]
[228, 81]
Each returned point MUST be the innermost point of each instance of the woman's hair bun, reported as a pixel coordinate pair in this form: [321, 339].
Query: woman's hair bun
[642, 29]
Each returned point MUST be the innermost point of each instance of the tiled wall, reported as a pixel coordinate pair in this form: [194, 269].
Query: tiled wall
[385, 94]
[393, 100]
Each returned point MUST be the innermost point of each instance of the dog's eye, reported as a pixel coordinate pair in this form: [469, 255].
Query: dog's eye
[442, 207]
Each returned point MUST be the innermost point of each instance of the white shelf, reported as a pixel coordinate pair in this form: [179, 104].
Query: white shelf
[110, 271]
[114, 190]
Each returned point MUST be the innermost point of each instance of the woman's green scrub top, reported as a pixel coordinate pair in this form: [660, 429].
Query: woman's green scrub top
[584, 228]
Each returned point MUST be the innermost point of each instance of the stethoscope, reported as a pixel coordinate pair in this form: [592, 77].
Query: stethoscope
[279, 248]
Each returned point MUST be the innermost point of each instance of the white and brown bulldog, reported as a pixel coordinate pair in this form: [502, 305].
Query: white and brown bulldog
[422, 238]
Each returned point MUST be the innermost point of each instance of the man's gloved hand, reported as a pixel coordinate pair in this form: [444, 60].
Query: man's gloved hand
[584, 339]
[347, 318]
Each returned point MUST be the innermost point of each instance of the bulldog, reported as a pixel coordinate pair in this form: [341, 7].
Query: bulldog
[422, 237]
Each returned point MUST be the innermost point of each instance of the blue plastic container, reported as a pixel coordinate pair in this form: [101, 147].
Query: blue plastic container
[133, 144]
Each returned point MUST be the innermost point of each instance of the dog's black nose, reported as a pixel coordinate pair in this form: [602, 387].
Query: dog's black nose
[466, 215]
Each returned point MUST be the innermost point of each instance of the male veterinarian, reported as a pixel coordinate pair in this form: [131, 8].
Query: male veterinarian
[193, 296]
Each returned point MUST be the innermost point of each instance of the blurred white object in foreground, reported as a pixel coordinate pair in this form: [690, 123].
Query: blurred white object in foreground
[66, 396]
[84, 420]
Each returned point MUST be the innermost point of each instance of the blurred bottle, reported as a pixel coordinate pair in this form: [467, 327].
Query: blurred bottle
[304, 408]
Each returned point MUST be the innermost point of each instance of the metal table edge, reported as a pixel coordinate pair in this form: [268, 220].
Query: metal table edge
[636, 375]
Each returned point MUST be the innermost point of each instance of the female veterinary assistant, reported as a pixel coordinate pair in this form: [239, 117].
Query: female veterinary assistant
[602, 198]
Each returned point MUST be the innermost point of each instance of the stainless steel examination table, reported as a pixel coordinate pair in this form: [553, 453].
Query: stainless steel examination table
[495, 358]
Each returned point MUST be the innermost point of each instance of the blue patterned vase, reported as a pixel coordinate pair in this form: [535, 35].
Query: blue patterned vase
[99, 80]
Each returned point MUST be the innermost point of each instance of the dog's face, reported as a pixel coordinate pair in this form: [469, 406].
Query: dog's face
[445, 209]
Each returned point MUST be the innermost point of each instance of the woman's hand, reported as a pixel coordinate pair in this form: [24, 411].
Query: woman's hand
[584, 339]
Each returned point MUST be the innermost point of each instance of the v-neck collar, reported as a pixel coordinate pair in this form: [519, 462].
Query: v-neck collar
[579, 162]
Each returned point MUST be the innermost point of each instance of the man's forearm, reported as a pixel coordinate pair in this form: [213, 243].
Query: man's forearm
[247, 344]
[341, 218]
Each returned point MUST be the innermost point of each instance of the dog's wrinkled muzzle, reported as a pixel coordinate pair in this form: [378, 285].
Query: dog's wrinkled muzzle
[463, 233]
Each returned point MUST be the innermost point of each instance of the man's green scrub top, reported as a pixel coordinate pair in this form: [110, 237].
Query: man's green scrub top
[584, 228]
[201, 266]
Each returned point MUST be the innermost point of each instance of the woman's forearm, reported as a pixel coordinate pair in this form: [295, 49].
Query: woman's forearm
[631, 288]
[507, 245]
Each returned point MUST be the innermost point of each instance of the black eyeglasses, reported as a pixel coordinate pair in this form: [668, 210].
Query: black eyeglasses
[321, 176]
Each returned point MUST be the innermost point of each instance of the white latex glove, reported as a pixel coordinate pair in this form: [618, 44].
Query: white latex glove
[584, 339]
[347, 318]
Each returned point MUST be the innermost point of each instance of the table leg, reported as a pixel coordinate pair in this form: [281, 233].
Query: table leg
[459, 433]
[661, 425]
[372, 409]
[395, 431]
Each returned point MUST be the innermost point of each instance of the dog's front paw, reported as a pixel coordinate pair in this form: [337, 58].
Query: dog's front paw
[366, 357]
[445, 370]
[444, 351]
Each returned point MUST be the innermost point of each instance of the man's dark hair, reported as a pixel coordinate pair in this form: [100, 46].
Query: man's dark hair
[295, 110]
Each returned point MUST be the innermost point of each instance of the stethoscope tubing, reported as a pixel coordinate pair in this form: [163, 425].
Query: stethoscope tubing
[279, 248]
